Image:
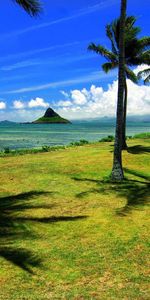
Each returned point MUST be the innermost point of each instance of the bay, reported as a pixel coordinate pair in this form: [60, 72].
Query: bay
[17, 136]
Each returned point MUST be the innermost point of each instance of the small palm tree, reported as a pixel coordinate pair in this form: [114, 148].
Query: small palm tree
[145, 73]
[32, 7]
[135, 53]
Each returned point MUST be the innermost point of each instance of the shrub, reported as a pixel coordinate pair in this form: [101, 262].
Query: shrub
[79, 143]
[45, 148]
[6, 150]
[109, 138]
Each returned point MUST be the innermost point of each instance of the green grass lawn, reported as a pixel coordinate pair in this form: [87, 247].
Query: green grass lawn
[66, 233]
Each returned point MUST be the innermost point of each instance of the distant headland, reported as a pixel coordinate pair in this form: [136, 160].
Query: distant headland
[52, 117]
[6, 122]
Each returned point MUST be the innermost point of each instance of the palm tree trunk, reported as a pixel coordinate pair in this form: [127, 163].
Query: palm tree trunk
[117, 170]
[124, 144]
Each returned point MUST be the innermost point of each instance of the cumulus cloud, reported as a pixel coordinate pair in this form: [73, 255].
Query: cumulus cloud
[2, 105]
[33, 103]
[95, 102]
[140, 68]
[18, 104]
[85, 103]
[64, 103]
[78, 97]
[37, 102]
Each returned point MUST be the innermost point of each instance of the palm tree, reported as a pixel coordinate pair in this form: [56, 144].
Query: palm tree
[144, 73]
[117, 170]
[32, 7]
[135, 54]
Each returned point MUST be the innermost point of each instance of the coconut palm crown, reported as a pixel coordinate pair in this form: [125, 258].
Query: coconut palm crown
[136, 53]
[136, 50]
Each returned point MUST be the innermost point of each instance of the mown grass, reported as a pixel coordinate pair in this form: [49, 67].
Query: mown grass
[67, 233]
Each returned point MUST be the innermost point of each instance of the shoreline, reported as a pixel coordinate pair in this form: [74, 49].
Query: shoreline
[45, 148]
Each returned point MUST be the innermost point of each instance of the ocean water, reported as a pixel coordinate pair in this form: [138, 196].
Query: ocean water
[16, 136]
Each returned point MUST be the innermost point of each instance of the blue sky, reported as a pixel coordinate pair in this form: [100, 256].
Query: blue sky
[46, 58]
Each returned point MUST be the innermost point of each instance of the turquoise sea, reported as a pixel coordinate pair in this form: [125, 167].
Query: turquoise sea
[17, 136]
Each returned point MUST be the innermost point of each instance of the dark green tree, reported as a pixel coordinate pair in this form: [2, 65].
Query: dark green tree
[32, 7]
[136, 53]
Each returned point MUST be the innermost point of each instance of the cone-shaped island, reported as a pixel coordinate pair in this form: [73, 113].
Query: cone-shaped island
[51, 116]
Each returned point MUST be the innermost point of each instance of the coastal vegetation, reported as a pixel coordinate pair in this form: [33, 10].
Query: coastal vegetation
[52, 120]
[110, 138]
[66, 232]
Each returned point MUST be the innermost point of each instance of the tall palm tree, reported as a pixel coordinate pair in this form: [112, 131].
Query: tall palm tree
[117, 170]
[135, 53]
[32, 7]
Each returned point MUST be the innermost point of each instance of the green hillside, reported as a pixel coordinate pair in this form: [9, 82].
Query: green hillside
[51, 116]
[51, 120]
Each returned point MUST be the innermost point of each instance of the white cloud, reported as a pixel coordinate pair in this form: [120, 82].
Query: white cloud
[33, 103]
[140, 68]
[78, 97]
[37, 50]
[96, 102]
[18, 104]
[37, 102]
[96, 92]
[65, 94]
[22, 64]
[64, 103]
[86, 103]
[2, 105]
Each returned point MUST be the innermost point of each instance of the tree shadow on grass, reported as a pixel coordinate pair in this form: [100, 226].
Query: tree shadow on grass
[53, 219]
[14, 227]
[138, 174]
[138, 149]
[136, 192]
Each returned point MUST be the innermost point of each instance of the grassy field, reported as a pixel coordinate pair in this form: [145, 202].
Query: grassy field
[66, 233]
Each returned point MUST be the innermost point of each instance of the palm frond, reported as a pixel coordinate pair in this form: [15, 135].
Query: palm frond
[110, 56]
[131, 75]
[144, 73]
[147, 79]
[110, 35]
[32, 7]
[140, 58]
[144, 43]
[109, 66]
[131, 31]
